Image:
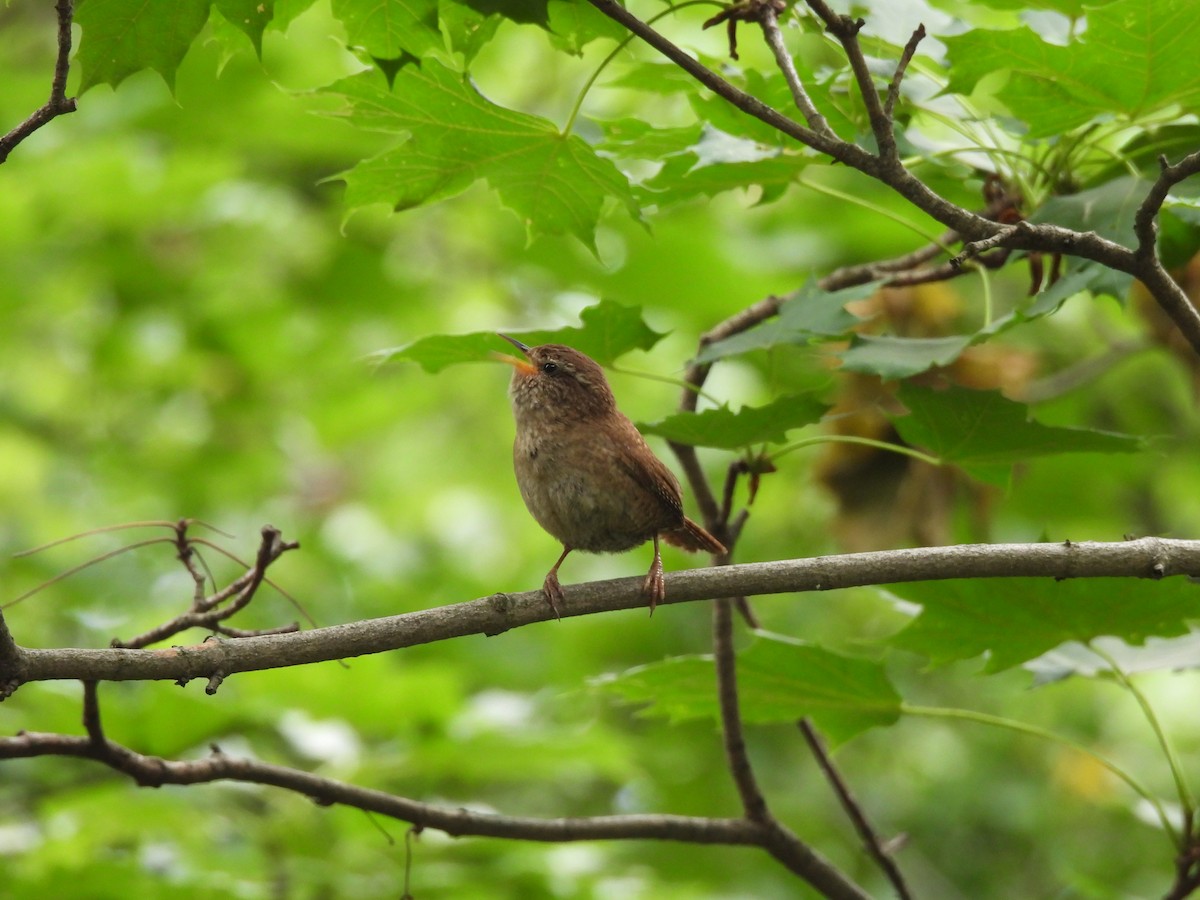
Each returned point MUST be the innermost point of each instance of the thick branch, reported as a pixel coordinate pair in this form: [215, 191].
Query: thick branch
[59, 103]
[1143, 558]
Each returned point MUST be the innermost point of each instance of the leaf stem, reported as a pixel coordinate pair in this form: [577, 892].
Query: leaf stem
[979, 718]
[865, 442]
[667, 379]
[1186, 800]
[875, 208]
[587, 85]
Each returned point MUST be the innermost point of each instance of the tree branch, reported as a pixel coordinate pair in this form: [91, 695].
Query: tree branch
[754, 805]
[59, 103]
[857, 817]
[153, 771]
[769, 21]
[887, 168]
[846, 30]
[1143, 558]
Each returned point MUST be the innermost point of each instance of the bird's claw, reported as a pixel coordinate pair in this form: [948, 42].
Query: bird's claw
[554, 595]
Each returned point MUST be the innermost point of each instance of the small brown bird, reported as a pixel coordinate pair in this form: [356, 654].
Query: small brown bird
[585, 471]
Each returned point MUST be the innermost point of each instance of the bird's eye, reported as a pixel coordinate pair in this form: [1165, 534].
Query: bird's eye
[549, 367]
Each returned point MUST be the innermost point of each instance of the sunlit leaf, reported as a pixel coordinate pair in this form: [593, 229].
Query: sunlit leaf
[1134, 59]
[388, 28]
[573, 25]
[779, 680]
[455, 136]
[249, 16]
[731, 430]
[1016, 620]
[1155, 655]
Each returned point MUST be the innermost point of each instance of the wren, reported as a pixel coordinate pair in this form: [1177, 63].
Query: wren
[584, 470]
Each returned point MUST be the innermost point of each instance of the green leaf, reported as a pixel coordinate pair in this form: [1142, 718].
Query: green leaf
[121, 37]
[810, 314]
[892, 357]
[728, 430]
[779, 680]
[1016, 620]
[683, 178]
[250, 17]
[554, 182]
[389, 28]
[525, 12]
[608, 331]
[574, 24]
[466, 29]
[1135, 58]
[985, 433]
[1108, 209]
[653, 77]
[636, 139]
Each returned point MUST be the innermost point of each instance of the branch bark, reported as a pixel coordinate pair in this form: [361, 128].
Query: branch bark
[59, 103]
[1143, 558]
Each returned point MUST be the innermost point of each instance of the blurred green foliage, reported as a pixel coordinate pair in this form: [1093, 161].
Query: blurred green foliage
[190, 325]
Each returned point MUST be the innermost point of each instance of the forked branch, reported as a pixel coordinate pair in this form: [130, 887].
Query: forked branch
[58, 103]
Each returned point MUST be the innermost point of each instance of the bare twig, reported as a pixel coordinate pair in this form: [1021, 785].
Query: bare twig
[209, 611]
[846, 30]
[1142, 558]
[91, 714]
[769, 20]
[59, 103]
[1145, 222]
[1000, 238]
[754, 804]
[854, 811]
[893, 94]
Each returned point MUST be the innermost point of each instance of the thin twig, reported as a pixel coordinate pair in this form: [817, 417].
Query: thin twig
[208, 611]
[59, 103]
[1145, 222]
[893, 94]
[846, 30]
[854, 811]
[769, 20]
[91, 714]
[1001, 237]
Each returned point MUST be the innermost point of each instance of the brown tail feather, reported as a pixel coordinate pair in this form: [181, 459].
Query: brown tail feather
[692, 537]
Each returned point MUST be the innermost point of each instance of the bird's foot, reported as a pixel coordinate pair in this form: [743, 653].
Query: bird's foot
[654, 589]
[553, 593]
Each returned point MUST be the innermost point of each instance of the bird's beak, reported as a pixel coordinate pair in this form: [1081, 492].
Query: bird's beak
[524, 366]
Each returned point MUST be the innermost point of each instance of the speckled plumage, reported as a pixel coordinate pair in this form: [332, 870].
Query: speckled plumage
[584, 470]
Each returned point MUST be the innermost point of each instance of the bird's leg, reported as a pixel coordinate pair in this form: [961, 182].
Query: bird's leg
[551, 588]
[653, 588]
